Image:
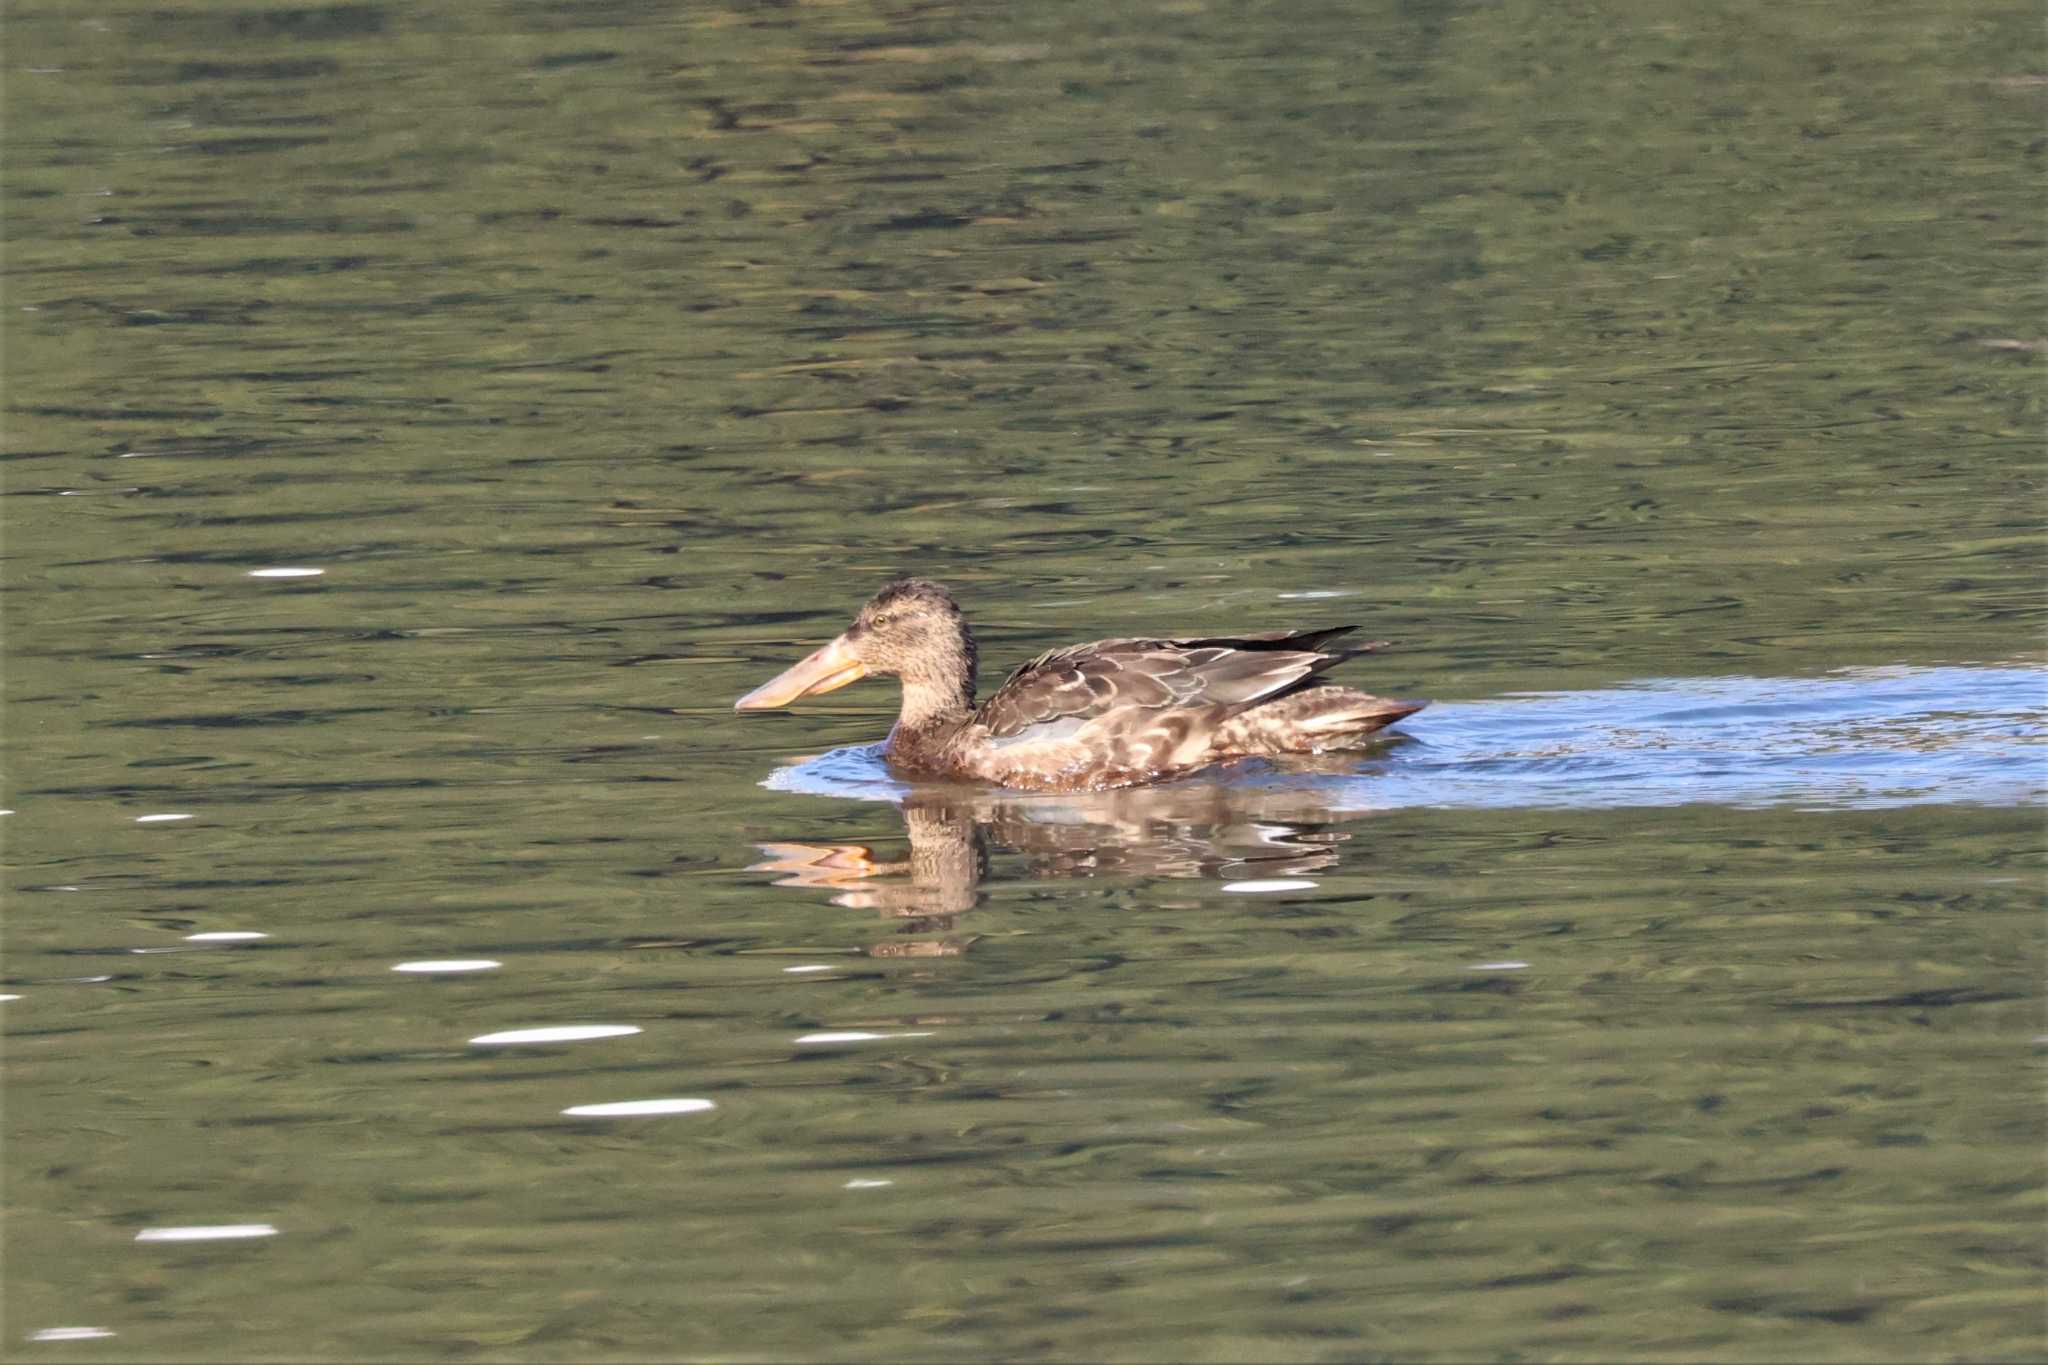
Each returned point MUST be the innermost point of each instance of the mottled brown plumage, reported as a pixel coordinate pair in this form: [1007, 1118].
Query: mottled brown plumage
[1113, 713]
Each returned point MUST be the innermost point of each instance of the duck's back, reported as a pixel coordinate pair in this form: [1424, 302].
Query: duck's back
[1081, 682]
[1114, 713]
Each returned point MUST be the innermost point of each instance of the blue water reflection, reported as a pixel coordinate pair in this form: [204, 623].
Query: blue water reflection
[1861, 737]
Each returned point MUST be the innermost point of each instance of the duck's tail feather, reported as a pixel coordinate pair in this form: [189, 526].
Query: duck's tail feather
[1311, 721]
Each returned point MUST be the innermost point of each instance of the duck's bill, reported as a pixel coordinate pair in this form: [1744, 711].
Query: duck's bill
[827, 670]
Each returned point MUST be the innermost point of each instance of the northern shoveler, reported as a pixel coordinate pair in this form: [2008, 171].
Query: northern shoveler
[1113, 713]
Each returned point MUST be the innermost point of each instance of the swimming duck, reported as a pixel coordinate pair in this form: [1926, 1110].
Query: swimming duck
[1113, 713]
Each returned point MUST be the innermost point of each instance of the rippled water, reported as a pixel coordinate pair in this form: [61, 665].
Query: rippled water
[421, 424]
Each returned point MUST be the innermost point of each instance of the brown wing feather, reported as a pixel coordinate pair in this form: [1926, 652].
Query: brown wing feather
[1082, 681]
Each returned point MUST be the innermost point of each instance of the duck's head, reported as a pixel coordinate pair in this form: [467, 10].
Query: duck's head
[912, 629]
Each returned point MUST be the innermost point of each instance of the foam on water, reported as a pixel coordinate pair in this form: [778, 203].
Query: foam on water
[1859, 737]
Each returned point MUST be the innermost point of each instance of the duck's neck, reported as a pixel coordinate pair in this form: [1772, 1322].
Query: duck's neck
[928, 709]
[938, 693]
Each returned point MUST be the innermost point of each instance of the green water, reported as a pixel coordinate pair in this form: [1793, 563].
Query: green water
[604, 356]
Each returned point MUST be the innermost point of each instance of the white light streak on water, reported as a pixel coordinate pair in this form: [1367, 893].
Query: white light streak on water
[70, 1334]
[220, 1233]
[561, 1033]
[633, 1109]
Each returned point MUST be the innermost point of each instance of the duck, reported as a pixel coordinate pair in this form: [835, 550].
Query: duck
[1089, 717]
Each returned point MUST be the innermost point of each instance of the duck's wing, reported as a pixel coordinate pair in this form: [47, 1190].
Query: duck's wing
[1058, 691]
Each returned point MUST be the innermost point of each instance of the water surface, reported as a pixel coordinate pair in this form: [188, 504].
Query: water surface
[1667, 390]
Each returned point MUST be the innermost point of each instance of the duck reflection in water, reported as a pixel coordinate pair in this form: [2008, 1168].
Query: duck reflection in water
[1188, 830]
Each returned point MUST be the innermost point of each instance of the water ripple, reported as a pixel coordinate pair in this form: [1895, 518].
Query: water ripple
[1861, 737]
